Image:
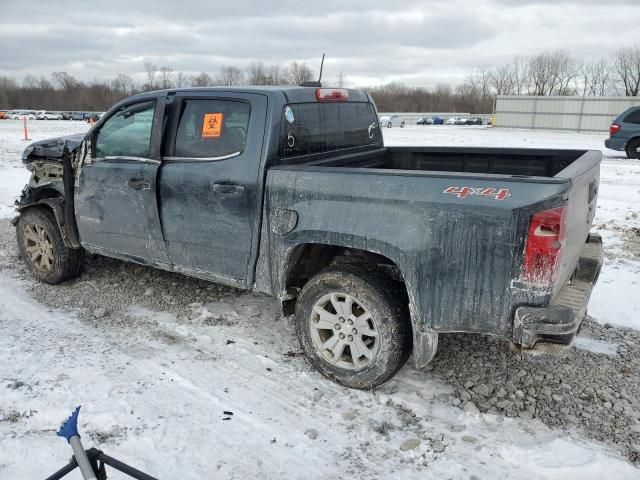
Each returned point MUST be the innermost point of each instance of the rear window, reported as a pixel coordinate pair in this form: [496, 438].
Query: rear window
[632, 117]
[315, 128]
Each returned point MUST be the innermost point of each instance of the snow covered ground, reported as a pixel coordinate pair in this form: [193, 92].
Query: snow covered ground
[155, 386]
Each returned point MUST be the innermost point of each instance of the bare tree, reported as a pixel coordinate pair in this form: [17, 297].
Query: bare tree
[183, 80]
[202, 80]
[122, 84]
[299, 73]
[165, 79]
[276, 75]
[256, 74]
[502, 79]
[593, 77]
[626, 68]
[230, 76]
[64, 80]
[521, 75]
[151, 70]
[552, 73]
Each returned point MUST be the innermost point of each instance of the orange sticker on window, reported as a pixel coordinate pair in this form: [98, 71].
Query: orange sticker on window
[211, 125]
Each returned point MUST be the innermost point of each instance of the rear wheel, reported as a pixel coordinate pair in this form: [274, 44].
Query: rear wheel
[633, 149]
[402, 125]
[353, 324]
[43, 250]
[389, 125]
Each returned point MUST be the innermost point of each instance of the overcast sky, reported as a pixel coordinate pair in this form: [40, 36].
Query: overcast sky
[419, 43]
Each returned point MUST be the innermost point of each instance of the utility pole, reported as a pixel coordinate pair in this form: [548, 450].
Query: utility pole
[341, 80]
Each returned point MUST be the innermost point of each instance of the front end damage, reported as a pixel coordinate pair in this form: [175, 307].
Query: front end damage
[52, 164]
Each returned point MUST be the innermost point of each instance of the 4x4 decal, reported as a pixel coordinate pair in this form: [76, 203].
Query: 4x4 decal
[464, 192]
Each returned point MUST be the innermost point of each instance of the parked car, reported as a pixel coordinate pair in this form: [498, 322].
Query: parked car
[3, 114]
[20, 114]
[435, 120]
[76, 116]
[474, 121]
[452, 121]
[261, 189]
[624, 133]
[392, 121]
[46, 115]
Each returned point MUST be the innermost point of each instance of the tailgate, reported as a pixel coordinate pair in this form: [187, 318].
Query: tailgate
[584, 175]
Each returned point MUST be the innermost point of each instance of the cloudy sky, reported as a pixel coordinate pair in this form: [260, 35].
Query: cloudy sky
[419, 43]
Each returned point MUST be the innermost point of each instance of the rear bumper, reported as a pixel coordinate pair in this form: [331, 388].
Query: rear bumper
[559, 322]
[613, 143]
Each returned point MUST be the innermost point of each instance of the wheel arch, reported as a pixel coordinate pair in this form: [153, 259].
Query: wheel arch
[48, 198]
[307, 259]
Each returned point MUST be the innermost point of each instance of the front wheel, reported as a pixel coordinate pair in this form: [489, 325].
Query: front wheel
[402, 125]
[633, 149]
[389, 125]
[43, 250]
[353, 325]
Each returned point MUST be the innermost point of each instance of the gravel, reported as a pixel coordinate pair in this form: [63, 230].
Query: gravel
[594, 394]
[579, 391]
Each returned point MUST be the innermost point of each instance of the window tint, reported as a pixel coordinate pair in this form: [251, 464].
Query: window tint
[212, 128]
[127, 133]
[310, 128]
[633, 117]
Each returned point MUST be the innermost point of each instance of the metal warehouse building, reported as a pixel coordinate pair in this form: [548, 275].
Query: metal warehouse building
[581, 114]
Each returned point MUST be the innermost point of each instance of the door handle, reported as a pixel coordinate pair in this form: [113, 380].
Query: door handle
[139, 184]
[228, 189]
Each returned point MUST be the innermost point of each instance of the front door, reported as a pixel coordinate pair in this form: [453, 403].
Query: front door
[209, 183]
[115, 196]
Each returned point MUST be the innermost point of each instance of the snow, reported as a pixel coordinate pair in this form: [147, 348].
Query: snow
[596, 346]
[154, 392]
[154, 396]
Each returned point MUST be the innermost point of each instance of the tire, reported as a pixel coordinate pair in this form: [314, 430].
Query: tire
[402, 125]
[43, 250]
[633, 149]
[389, 125]
[370, 360]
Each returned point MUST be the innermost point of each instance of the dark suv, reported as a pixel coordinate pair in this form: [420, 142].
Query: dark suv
[624, 133]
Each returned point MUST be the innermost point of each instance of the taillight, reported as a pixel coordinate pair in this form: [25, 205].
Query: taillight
[614, 128]
[544, 243]
[332, 95]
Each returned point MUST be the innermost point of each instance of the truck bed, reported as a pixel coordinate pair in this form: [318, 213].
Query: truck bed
[460, 255]
[497, 161]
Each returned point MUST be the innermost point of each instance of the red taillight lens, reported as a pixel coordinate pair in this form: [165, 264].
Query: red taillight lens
[544, 242]
[614, 128]
[332, 95]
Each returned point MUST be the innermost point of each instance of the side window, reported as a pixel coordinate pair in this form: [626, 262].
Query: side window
[127, 133]
[212, 128]
[633, 117]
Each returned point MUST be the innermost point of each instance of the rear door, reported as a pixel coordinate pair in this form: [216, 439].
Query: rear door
[115, 197]
[209, 183]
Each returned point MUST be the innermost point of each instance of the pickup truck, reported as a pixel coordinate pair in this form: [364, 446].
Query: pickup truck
[290, 191]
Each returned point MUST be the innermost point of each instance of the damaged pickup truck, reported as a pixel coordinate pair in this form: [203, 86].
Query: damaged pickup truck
[290, 191]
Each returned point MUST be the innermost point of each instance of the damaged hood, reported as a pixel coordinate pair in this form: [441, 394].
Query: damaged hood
[51, 148]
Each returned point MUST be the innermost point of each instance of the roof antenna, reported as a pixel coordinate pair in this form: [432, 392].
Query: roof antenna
[318, 82]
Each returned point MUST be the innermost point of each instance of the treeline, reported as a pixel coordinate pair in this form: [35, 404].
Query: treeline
[64, 92]
[544, 74]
